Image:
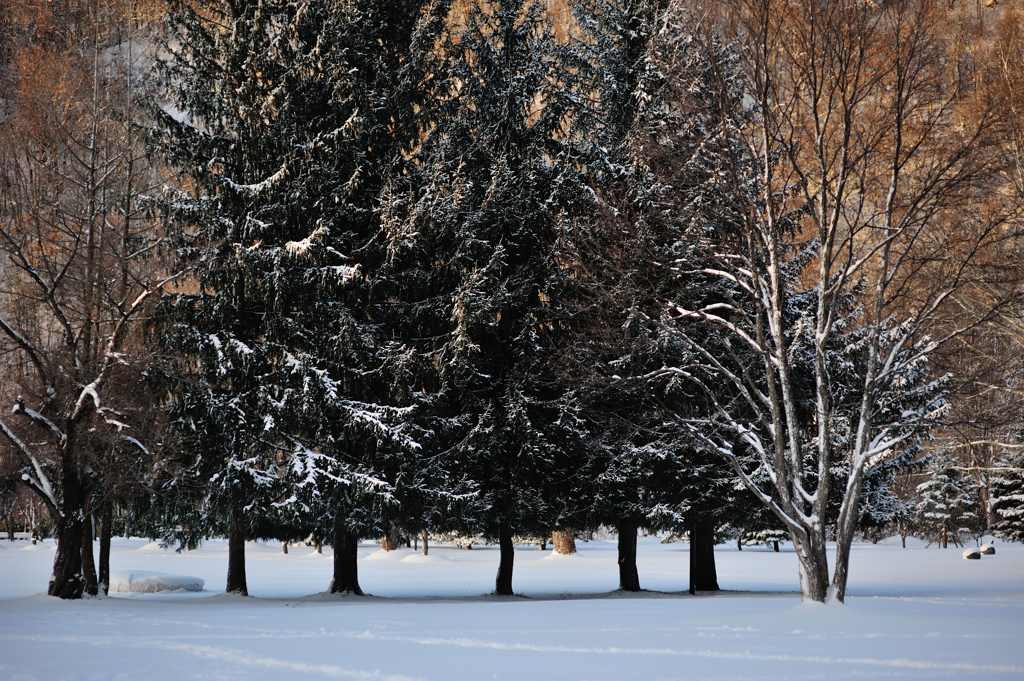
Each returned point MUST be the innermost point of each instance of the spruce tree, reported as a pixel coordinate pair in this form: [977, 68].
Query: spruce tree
[1007, 493]
[947, 508]
[290, 118]
[475, 237]
[653, 142]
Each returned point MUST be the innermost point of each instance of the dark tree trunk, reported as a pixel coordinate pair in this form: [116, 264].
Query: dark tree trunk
[106, 528]
[67, 580]
[563, 541]
[629, 579]
[346, 561]
[236, 555]
[702, 545]
[425, 548]
[775, 545]
[693, 559]
[88, 558]
[503, 583]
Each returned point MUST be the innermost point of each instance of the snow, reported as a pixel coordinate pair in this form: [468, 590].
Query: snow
[912, 614]
[143, 581]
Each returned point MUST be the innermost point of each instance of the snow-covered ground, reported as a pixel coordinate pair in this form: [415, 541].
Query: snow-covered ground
[911, 613]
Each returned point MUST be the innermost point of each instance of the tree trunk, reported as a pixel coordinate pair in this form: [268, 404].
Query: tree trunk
[775, 545]
[67, 580]
[284, 547]
[503, 582]
[810, 552]
[106, 528]
[91, 586]
[563, 541]
[424, 542]
[346, 561]
[846, 527]
[236, 554]
[629, 579]
[704, 576]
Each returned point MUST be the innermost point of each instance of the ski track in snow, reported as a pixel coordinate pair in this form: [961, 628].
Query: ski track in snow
[223, 655]
[900, 662]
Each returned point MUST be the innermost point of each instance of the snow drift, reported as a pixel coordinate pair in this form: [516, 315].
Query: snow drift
[139, 581]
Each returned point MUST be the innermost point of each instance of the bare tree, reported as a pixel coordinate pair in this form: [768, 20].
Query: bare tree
[866, 194]
[79, 270]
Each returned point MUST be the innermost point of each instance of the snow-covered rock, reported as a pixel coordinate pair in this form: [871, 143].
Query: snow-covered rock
[141, 581]
[987, 549]
[972, 554]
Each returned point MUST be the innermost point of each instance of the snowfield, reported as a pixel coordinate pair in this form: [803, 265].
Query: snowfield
[912, 614]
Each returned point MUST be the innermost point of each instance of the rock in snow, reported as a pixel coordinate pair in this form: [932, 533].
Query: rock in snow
[140, 581]
[972, 554]
[987, 549]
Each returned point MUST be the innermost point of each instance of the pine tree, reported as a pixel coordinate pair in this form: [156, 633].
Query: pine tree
[475, 237]
[882, 510]
[1007, 493]
[948, 506]
[652, 136]
[293, 116]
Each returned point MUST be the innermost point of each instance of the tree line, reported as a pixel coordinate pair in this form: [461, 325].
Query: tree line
[361, 269]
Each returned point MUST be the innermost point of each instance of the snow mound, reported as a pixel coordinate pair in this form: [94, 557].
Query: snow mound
[972, 554]
[562, 556]
[382, 555]
[429, 558]
[139, 581]
[987, 549]
[151, 547]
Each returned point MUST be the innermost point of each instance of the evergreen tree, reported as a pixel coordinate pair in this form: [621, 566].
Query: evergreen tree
[1007, 493]
[283, 379]
[652, 140]
[475, 239]
[882, 510]
[948, 505]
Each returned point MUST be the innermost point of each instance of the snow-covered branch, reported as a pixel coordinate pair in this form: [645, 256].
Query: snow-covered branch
[40, 482]
[21, 408]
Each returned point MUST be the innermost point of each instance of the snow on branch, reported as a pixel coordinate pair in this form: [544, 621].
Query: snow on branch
[20, 408]
[112, 356]
[33, 355]
[41, 482]
[259, 187]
